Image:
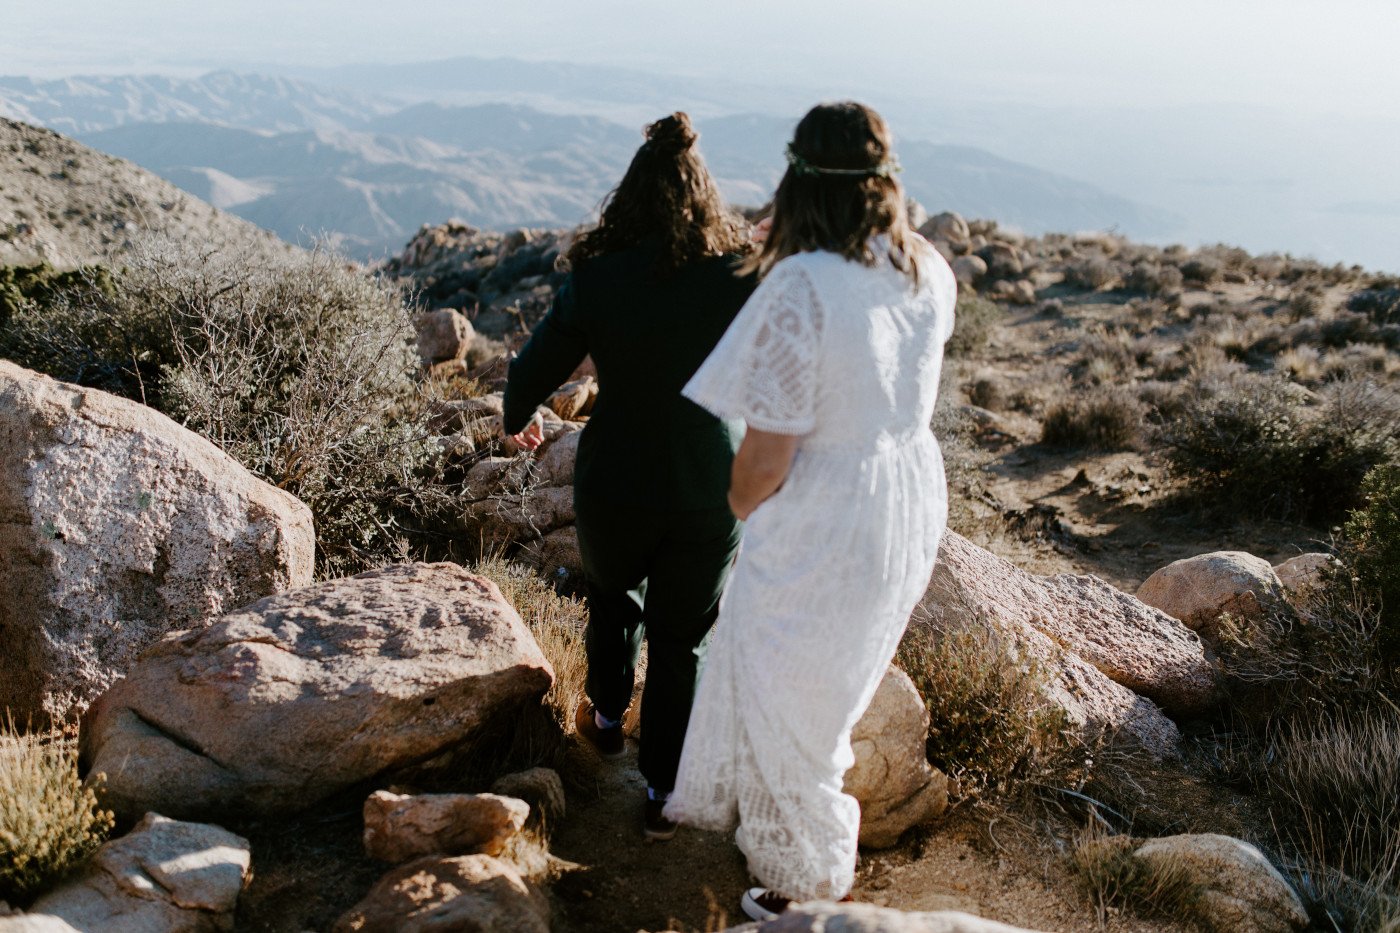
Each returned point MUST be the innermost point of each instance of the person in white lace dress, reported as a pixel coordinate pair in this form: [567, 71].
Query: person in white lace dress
[834, 365]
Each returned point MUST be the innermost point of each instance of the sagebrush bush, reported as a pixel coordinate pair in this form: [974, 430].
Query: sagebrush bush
[22, 285]
[1105, 418]
[49, 822]
[1092, 274]
[1252, 443]
[1373, 533]
[972, 325]
[990, 725]
[297, 364]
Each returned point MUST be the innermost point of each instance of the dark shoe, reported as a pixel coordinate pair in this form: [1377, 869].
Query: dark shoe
[763, 905]
[654, 822]
[610, 744]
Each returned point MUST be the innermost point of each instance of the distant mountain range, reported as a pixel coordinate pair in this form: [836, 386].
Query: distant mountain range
[302, 159]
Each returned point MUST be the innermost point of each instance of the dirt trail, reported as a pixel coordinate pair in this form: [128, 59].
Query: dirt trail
[692, 883]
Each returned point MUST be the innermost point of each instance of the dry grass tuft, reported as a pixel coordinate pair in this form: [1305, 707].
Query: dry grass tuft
[990, 725]
[49, 822]
[1112, 877]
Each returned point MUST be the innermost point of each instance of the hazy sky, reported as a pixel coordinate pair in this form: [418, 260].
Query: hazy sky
[1338, 56]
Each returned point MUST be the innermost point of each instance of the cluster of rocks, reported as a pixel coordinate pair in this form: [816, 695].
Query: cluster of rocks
[984, 257]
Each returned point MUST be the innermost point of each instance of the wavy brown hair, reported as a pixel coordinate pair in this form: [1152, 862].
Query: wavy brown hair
[669, 195]
[814, 210]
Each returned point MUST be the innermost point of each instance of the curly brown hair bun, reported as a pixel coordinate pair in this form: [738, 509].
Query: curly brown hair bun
[667, 196]
[672, 135]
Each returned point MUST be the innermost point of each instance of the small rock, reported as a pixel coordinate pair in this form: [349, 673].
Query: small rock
[1002, 260]
[443, 335]
[523, 516]
[556, 467]
[969, 270]
[1197, 590]
[541, 788]
[1240, 891]
[945, 226]
[162, 876]
[896, 786]
[400, 827]
[1022, 293]
[573, 399]
[466, 894]
[488, 477]
[1306, 570]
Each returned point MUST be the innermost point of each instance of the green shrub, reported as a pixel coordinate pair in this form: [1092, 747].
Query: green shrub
[297, 364]
[20, 285]
[990, 725]
[972, 325]
[1106, 418]
[49, 822]
[1252, 444]
[1374, 535]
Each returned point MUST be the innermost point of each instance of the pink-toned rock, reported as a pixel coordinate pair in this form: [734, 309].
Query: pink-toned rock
[1306, 570]
[466, 894]
[1237, 889]
[1112, 655]
[1197, 590]
[969, 270]
[444, 335]
[400, 827]
[295, 697]
[556, 467]
[541, 788]
[164, 876]
[1131, 643]
[118, 526]
[896, 786]
[948, 225]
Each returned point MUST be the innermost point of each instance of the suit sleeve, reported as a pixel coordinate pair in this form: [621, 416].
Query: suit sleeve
[558, 344]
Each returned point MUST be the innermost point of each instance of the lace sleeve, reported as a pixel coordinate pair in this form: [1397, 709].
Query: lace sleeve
[764, 369]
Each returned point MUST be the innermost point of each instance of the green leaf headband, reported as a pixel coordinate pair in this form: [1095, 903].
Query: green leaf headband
[802, 167]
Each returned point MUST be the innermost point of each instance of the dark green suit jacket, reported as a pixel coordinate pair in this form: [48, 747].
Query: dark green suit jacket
[645, 444]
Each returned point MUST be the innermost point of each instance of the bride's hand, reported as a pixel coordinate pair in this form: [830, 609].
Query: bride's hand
[758, 233]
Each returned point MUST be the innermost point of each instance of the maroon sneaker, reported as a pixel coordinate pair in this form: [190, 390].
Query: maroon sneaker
[654, 822]
[610, 744]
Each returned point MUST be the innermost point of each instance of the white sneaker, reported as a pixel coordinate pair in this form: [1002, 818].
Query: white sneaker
[762, 904]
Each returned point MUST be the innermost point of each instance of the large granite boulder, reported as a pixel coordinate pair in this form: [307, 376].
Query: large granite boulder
[467, 894]
[118, 526]
[1198, 590]
[295, 697]
[1116, 660]
[1239, 891]
[896, 786]
[162, 877]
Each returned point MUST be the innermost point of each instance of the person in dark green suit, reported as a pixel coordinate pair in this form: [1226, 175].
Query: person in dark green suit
[651, 290]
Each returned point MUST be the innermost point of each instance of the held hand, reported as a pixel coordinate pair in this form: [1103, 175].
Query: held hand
[533, 435]
[742, 510]
[759, 232]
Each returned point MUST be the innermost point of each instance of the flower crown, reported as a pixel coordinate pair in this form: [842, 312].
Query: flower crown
[802, 167]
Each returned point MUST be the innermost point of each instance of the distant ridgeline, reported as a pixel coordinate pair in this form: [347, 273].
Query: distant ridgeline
[304, 160]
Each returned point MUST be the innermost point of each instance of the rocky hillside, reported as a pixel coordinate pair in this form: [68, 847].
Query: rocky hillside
[66, 204]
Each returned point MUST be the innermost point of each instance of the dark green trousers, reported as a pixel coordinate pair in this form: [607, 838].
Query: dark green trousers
[655, 574]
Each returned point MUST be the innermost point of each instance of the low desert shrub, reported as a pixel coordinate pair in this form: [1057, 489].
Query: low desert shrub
[1381, 305]
[49, 822]
[1106, 418]
[20, 285]
[1092, 274]
[297, 364]
[990, 725]
[1202, 270]
[972, 325]
[1252, 442]
[1111, 878]
[1373, 533]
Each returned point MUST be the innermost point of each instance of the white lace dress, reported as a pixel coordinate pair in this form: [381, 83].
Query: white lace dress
[830, 567]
